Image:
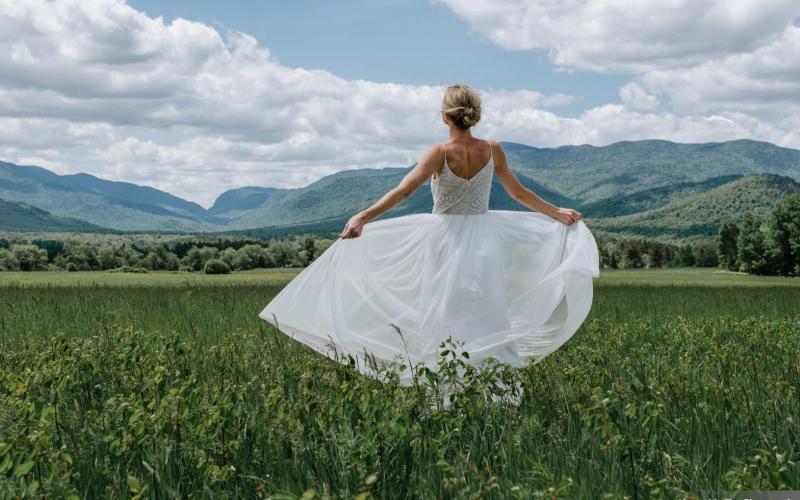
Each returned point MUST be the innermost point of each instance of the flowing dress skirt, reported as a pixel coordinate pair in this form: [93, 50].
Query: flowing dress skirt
[512, 285]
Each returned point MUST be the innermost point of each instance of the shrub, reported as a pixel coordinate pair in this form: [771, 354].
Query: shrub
[129, 269]
[8, 262]
[216, 266]
[196, 258]
[72, 267]
[30, 257]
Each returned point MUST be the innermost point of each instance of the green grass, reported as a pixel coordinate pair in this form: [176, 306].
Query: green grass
[665, 276]
[153, 278]
[681, 383]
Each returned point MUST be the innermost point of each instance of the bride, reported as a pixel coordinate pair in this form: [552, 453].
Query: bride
[509, 285]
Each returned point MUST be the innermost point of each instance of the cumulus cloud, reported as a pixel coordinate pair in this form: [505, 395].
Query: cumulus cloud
[763, 82]
[628, 35]
[636, 97]
[95, 85]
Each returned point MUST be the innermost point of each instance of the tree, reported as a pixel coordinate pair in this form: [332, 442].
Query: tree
[30, 257]
[228, 256]
[656, 255]
[281, 253]
[631, 256]
[784, 236]
[83, 255]
[310, 249]
[159, 258]
[611, 254]
[107, 257]
[685, 256]
[750, 246]
[726, 244]
[705, 253]
[250, 257]
[128, 255]
[196, 258]
[8, 262]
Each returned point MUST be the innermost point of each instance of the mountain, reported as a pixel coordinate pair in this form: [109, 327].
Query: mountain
[111, 204]
[648, 199]
[700, 213]
[592, 173]
[15, 216]
[338, 196]
[636, 187]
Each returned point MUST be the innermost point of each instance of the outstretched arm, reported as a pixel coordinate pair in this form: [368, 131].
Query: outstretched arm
[430, 161]
[525, 196]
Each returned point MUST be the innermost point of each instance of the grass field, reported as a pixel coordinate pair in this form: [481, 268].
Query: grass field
[681, 383]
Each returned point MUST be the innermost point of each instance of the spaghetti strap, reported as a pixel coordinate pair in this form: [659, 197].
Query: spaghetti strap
[445, 153]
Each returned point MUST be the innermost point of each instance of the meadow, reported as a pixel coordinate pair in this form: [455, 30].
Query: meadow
[681, 383]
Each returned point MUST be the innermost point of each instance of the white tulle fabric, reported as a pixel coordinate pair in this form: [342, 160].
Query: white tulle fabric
[512, 285]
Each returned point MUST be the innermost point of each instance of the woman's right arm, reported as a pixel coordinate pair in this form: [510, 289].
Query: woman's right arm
[525, 196]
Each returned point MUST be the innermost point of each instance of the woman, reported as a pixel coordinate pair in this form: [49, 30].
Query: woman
[513, 285]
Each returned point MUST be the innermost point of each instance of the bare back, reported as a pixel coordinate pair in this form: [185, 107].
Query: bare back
[465, 160]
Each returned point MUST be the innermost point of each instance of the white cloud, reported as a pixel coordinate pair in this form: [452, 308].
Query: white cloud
[635, 97]
[44, 133]
[613, 122]
[764, 82]
[628, 35]
[96, 86]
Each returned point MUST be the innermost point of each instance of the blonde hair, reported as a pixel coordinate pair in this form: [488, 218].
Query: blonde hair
[462, 104]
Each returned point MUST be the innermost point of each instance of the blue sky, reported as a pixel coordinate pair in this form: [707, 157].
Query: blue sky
[399, 41]
[198, 97]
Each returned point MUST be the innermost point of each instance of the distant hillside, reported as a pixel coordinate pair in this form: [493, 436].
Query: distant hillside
[111, 204]
[592, 173]
[649, 199]
[338, 196]
[15, 216]
[699, 214]
[631, 187]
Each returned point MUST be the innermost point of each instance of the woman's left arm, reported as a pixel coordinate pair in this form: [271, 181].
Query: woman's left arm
[430, 162]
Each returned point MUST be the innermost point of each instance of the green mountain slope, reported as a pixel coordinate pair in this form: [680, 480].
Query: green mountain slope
[116, 205]
[631, 186]
[15, 216]
[649, 199]
[591, 173]
[699, 214]
[338, 196]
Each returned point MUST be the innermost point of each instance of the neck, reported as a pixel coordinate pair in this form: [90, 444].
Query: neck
[458, 134]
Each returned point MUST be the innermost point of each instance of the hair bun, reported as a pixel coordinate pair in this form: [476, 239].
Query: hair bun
[463, 104]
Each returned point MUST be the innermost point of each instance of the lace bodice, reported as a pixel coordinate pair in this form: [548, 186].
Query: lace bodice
[456, 195]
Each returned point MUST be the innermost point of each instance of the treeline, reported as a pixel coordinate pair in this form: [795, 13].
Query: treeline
[618, 253]
[226, 254]
[180, 255]
[769, 246]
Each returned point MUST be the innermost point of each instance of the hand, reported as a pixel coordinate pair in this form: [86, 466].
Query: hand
[567, 215]
[353, 227]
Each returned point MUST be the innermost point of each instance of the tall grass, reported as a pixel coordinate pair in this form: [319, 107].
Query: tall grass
[168, 392]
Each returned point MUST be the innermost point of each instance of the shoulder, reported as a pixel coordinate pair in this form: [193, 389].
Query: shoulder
[435, 150]
[493, 144]
[496, 147]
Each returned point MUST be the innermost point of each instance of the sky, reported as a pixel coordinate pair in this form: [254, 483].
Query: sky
[198, 97]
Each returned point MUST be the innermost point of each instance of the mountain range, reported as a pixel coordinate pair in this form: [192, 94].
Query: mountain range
[650, 188]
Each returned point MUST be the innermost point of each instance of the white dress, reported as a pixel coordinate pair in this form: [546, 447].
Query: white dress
[513, 285]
